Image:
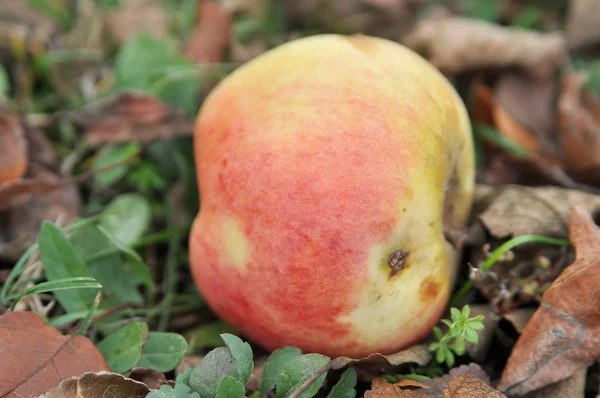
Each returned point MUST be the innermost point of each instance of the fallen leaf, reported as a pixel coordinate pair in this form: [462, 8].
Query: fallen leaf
[461, 382]
[134, 16]
[132, 116]
[23, 28]
[572, 387]
[100, 384]
[440, 385]
[382, 389]
[13, 149]
[530, 104]
[579, 130]
[212, 34]
[150, 377]
[582, 23]
[378, 363]
[20, 190]
[519, 210]
[35, 357]
[563, 336]
[456, 44]
[467, 386]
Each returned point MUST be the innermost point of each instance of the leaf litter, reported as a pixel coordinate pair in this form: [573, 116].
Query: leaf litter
[540, 130]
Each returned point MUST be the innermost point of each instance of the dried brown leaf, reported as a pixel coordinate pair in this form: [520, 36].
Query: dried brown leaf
[13, 149]
[579, 130]
[135, 16]
[35, 357]
[456, 44]
[582, 27]
[132, 117]
[529, 103]
[571, 387]
[440, 385]
[99, 384]
[212, 34]
[378, 363]
[563, 336]
[468, 386]
[382, 389]
[519, 210]
[20, 190]
[150, 377]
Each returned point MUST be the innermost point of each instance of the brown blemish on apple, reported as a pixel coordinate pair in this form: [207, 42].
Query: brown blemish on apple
[429, 289]
[396, 261]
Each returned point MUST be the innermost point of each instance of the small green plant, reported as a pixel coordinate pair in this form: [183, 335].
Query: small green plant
[225, 371]
[461, 329]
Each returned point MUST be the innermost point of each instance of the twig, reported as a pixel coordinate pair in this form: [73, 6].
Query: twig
[312, 379]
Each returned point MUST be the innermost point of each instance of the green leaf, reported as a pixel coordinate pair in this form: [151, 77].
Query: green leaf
[438, 333]
[449, 357]
[466, 311]
[459, 345]
[274, 365]
[113, 154]
[62, 261]
[4, 83]
[127, 217]
[242, 353]
[184, 378]
[472, 336]
[217, 364]
[123, 348]
[455, 314]
[440, 355]
[134, 264]
[297, 371]
[229, 387]
[157, 67]
[180, 391]
[209, 336]
[119, 286]
[487, 10]
[475, 325]
[345, 387]
[163, 351]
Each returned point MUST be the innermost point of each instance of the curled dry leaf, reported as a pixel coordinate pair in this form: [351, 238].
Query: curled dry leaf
[35, 357]
[212, 34]
[378, 363]
[519, 210]
[99, 384]
[582, 23]
[456, 44]
[462, 382]
[135, 16]
[579, 129]
[13, 149]
[132, 116]
[563, 336]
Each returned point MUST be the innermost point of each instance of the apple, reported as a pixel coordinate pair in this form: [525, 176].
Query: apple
[328, 169]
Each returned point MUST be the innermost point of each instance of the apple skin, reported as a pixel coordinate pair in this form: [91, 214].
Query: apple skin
[316, 162]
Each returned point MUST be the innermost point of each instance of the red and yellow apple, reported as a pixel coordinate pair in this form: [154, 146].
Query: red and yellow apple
[328, 169]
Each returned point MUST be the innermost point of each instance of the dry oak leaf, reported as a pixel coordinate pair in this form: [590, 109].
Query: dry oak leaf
[582, 27]
[469, 386]
[132, 116]
[382, 389]
[579, 129]
[212, 34]
[35, 357]
[20, 190]
[456, 44]
[13, 149]
[99, 384]
[517, 210]
[563, 336]
[135, 16]
[571, 387]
